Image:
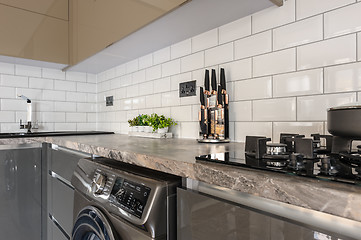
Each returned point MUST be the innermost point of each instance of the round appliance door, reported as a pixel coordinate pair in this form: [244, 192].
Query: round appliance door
[91, 224]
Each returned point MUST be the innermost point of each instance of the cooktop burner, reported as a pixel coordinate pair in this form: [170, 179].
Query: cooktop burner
[324, 157]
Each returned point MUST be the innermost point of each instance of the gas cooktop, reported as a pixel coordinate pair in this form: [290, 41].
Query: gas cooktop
[324, 157]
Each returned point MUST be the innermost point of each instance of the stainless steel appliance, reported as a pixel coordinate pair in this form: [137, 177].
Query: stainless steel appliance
[114, 201]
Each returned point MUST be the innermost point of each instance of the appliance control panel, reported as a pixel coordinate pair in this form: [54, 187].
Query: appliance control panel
[129, 196]
[102, 183]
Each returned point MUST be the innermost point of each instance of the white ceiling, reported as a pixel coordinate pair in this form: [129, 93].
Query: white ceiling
[193, 18]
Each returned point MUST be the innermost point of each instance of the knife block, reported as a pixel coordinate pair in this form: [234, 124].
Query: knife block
[214, 112]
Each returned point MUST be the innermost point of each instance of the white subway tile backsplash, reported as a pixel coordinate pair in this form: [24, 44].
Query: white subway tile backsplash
[91, 97]
[161, 56]
[65, 127]
[162, 85]
[8, 117]
[220, 54]
[235, 30]
[146, 88]
[273, 17]
[85, 107]
[41, 83]
[30, 71]
[238, 70]
[343, 21]
[153, 72]
[279, 109]
[7, 68]
[33, 94]
[298, 33]
[89, 126]
[240, 111]
[55, 117]
[138, 77]
[7, 92]
[13, 81]
[91, 78]
[327, 52]
[314, 108]
[253, 45]
[305, 128]
[243, 129]
[64, 85]
[205, 40]
[274, 63]
[51, 95]
[359, 46]
[64, 107]
[171, 68]
[256, 88]
[86, 87]
[189, 130]
[133, 91]
[176, 79]
[145, 61]
[125, 80]
[162, 111]
[76, 97]
[181, 113]
[343, 78]
[189, 100]
[181, 49]
[75, 76]
[53, 73]
[42, 106]
[359, 96]
[153, 101]
[306, 8]
[138, 103]
[192, 62]
[119, 71]
[298, 83]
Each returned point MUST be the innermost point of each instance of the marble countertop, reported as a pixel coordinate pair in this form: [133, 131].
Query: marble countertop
[177, 156]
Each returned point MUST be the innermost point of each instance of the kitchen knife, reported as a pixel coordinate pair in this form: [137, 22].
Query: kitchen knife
[214, 82]
[219, 96]
[223, 81]
[206, 82]
[201, 96]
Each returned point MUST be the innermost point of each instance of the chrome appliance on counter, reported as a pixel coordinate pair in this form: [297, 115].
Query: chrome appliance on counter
[214, 112]
[114, 201]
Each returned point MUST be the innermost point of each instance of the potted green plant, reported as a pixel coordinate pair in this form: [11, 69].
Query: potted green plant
[164, 124]
[134, 124]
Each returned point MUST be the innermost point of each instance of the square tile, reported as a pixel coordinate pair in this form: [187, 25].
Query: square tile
[314, 108]
[256, 88]
[235, 30]
[343, 78]
[273, 17]
[343, 21]
[330, 52]
[253, 45]
[280, 109]
[298, 83]
[274, 63]
[298, 33]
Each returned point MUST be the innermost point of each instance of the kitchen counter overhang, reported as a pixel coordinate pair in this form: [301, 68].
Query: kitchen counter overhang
[177, 156]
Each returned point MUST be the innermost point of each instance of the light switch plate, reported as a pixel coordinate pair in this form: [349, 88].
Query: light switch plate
[187, 89]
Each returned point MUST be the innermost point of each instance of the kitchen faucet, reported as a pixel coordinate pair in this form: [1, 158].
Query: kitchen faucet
[28, 124]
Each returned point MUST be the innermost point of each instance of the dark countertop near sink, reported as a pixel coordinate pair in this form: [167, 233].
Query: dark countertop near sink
[177, 156]
[45, 134]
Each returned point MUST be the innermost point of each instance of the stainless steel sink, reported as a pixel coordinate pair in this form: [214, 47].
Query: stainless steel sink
[45, 134]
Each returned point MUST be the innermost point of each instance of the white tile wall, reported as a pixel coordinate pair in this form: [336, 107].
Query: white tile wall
[343, 21]
[306, 8]
[235, 30]
[284, 67]
[298, 83]
[327, 52]
[343, 78]
[52, 96]
[298, 33]
[253, 45]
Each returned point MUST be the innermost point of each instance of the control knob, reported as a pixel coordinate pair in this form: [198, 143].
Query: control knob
[98, 184]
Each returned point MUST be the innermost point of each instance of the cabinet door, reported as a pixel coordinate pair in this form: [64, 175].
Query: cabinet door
[32, 35]
[20, 192]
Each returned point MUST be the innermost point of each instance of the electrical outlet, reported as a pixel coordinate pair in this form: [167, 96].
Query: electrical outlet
[109, 101]
[187, 89]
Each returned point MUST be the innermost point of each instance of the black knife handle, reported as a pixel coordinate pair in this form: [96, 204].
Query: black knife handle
[201, 96]
[223, 79]
[213, 80]
[206, 80]
[219, 95]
